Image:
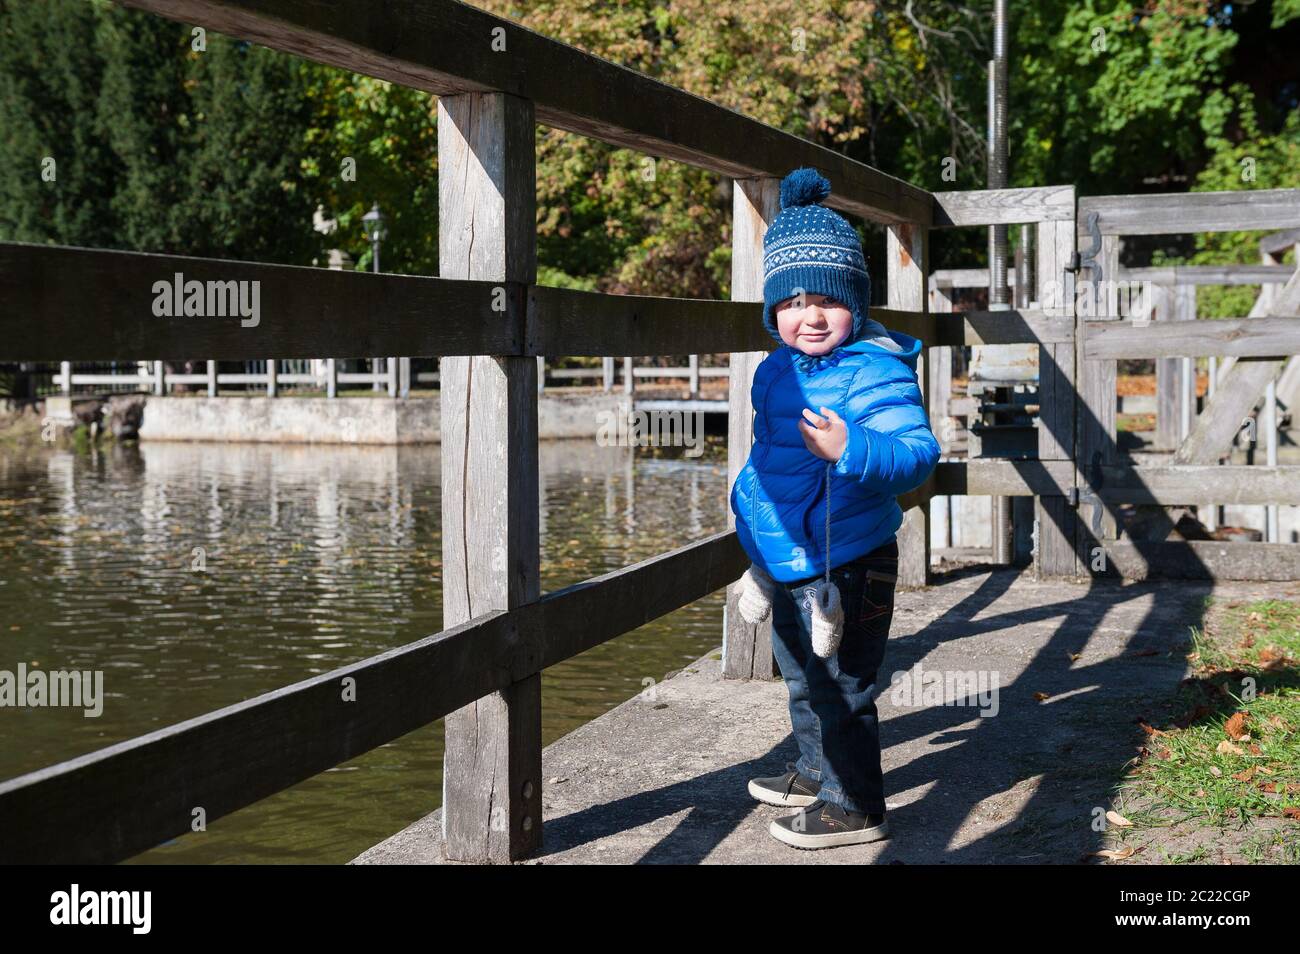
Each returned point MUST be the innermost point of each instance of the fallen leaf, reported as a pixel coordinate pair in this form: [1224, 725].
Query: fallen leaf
[1113, 855]
[1235, 727]
[1115, 818]
[1041, 696]
[1216, 771]
[1150, 730]
[1226, 747]
[1291, 812]
[1245, 775]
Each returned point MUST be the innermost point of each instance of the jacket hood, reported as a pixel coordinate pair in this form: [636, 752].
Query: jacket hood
[911, 350]
[910, 353]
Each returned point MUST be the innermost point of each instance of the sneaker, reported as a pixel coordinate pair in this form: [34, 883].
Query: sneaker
[791, 790]
[826, 825]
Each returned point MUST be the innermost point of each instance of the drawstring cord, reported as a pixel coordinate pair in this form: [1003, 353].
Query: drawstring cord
[828, 521]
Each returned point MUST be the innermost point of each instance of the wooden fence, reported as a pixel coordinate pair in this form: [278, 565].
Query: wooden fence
[482, 672]
[1256, 346]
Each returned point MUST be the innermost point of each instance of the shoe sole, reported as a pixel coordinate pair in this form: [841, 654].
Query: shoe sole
[799, 840]
[767, 797]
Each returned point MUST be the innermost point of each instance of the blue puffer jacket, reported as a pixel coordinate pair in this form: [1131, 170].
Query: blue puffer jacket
[779, 495]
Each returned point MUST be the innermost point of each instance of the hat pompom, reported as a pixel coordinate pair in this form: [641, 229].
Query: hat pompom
[804, 186]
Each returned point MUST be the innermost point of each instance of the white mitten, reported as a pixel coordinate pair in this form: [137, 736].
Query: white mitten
[827, 618]
[756, 589]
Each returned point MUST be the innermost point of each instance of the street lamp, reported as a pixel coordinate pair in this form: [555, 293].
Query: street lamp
[373, 222]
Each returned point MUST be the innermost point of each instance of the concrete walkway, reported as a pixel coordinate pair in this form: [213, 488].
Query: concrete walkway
[661, 779]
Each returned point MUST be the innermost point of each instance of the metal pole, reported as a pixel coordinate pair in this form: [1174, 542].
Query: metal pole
[999, 297]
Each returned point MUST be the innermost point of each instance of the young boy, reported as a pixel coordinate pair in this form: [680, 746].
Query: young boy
[869, 442]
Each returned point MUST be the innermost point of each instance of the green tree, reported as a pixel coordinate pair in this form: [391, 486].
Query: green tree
[50, 71]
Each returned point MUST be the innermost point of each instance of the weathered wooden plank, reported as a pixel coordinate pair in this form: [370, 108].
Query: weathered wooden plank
[1004, 206]
[940, 371]
[1055, 516]
[1239, 390]
[907, 257]
[918, 324]
[1167, 485]
[1225, 412]
[1205, 559]
[1056, 358]
[1177, 213]
[587, 614]
[1208, 274]
[1004, 478]
[919, 497]
[81, 304]
[1200, 485]
[1095, 429]
[964, 278]
[746, 648]
[1165, 306]
[565, 321]
[1015, 326]
[1240, 337]
[492, 767]
[444, 48]
[1279, 242]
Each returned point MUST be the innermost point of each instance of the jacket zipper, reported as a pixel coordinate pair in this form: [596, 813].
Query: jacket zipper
[753, 509]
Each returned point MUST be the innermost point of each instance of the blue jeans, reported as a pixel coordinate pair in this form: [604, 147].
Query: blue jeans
[832, 701]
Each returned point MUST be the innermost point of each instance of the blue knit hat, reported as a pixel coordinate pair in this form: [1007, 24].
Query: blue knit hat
[813, 249]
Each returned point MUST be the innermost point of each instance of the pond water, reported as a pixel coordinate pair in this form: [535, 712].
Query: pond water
[199, 575]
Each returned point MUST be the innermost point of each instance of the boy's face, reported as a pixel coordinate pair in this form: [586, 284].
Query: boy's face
[812, 323]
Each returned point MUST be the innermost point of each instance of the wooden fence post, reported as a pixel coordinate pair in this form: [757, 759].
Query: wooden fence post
[1055, 516]
[941, 420]
[1096, 432]
[907, 267]
[492, 784]
[746, 649]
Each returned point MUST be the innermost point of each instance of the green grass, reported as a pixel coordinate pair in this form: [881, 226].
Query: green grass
[1245, 663]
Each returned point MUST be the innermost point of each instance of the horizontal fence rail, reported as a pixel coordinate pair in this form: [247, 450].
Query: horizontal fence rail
[1239, 337]
[108, 311]
[1167, 485]
[314, 312]
[446, 48]
[1177, 213]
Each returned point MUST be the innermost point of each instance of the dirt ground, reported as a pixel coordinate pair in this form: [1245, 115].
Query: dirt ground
[1078, 669]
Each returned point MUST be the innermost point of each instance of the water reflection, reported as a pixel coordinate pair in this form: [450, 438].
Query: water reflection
[198, 575]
